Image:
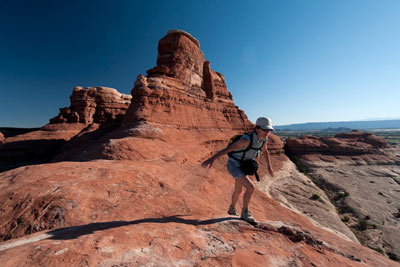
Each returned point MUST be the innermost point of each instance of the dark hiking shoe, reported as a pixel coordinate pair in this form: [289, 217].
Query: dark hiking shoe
[232, 211]
[247, 216]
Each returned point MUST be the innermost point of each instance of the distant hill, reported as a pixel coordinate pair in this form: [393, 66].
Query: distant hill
[359, 125]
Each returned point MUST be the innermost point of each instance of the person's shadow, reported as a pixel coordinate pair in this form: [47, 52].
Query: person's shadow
[77, 231]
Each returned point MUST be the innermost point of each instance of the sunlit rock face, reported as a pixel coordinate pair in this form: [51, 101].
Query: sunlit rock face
[135, 194]
[183, 91]
[94, 105]
[90, 108]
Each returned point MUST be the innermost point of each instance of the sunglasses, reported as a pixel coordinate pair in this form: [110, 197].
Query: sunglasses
[265, 130]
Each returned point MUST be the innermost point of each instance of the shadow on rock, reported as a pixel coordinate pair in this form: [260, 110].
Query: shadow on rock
[81, 230]
[28, 152]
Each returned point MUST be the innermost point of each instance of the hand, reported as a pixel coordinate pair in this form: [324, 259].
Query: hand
[209, 162]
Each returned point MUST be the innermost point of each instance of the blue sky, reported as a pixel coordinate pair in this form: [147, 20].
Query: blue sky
[293, 61]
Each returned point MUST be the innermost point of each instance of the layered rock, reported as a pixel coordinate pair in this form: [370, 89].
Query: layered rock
[94, 105]
[154, 212]
[360, 174]
[91, 109]
[144, 180]
[183, 91]
[352, 143]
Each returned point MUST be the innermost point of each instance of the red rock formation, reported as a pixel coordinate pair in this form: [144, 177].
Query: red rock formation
[146, 200]
[352, 143]
[364, 167]
[159, 212]
[1, 138]
[183, 91]
[368, 138]
[94, 105]
[177, 94]
[180, 57]
[90, 108]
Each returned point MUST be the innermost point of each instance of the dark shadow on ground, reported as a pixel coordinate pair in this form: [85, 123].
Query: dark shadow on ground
[81, 230]
[39, 151]
[83, 141]
[12, 131]
[28, 152]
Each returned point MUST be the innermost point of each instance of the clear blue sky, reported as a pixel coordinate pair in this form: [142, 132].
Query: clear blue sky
[293, 61]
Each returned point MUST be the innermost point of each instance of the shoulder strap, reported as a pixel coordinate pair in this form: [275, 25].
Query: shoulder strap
[250, 144]
[230, 154]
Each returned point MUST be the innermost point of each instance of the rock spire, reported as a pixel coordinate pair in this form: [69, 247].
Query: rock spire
[183, 91]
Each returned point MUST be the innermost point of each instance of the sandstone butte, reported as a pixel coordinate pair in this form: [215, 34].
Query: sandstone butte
[127, 189]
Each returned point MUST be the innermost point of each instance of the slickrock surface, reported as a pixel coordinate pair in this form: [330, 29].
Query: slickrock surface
[295, 191]
[94, 105]
[160, 211]
[135, 194]
[361, 174]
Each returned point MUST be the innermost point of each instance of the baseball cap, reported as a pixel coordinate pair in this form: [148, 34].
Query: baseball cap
[264, 123]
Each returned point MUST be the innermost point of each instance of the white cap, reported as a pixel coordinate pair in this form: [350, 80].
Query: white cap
[264, 123]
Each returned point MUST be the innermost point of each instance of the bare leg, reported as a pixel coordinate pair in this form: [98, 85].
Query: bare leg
[249, 191]
[237, 191]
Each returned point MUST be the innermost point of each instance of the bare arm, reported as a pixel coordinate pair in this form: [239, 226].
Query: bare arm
[267, 160]
[235, 146]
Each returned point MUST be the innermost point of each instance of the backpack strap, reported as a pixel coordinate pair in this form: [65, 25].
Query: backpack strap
[230, 154]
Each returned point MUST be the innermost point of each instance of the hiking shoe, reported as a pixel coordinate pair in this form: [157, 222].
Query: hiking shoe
[232, 211]
[247, 216]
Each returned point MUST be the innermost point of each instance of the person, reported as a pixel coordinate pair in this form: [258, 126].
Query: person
[236, 152]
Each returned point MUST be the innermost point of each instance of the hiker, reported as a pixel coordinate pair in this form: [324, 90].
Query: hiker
[245, 150]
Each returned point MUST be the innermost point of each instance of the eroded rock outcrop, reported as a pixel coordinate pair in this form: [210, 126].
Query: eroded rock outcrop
[137, 195]
[352, 144]
[92, 113]
[94, 105]
[361, 175]
[183, 91]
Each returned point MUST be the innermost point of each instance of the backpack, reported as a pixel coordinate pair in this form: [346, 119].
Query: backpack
[249, 167]
[236, 138]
